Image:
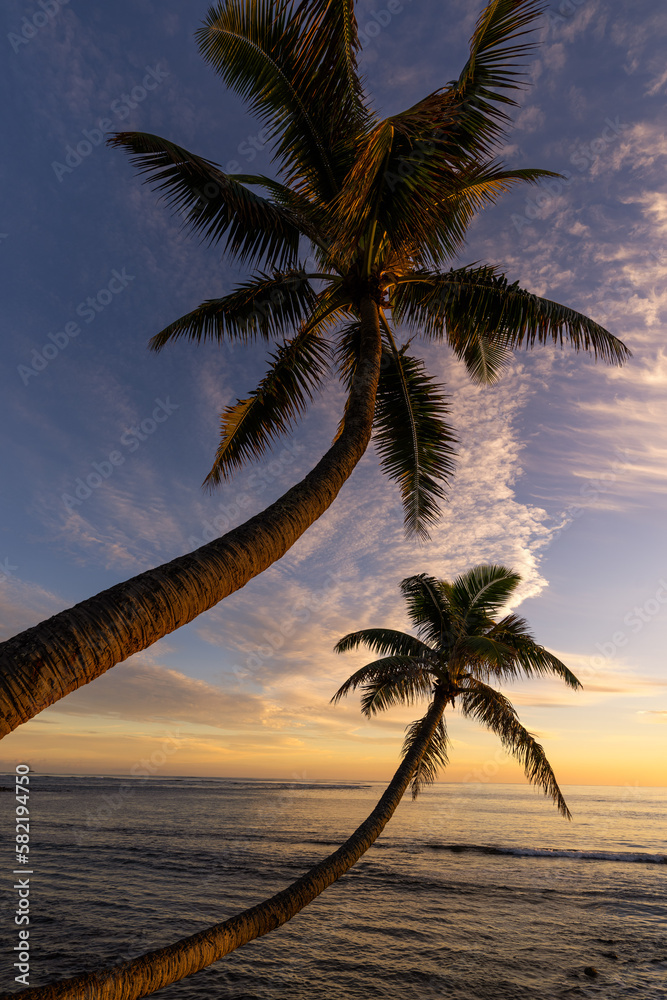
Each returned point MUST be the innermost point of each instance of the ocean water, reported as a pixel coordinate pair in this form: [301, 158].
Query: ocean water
[473, 891]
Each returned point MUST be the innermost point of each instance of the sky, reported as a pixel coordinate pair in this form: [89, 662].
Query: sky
[561, 469]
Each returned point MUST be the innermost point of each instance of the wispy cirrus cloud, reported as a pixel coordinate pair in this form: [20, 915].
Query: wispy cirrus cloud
[23, 604]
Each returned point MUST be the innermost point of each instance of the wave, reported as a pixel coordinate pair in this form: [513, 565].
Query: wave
[630, 857]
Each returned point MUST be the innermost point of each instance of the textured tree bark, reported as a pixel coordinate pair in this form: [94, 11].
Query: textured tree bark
[150, 972]
[46, 662]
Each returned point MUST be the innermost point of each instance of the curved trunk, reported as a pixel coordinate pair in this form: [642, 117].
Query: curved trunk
[46, 662]
[150, 972]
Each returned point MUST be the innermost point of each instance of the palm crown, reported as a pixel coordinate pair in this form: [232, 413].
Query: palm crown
[458, 648]
[381, 206]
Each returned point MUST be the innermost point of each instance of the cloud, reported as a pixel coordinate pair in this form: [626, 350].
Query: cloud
[654, 715]
[23, 604]
[642, 146]
[656, 85]
[530, 119]
[127, 525]
[144, 691]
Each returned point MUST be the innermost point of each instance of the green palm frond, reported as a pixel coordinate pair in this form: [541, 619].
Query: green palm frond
[485, 653]
[359, 200]
[419, 184]
[434, 758]
[251, 44]
[266, 306]
[430, 612]
[464, 116]
[423, 194]
[485, 359]
[413, 440]
[413, 165]
[296, 68]
[327, 63]
[483, 589]
[481, 184]
[308, 215]
[467, 303]
[386, 641]
[469, 191]
[498, 47]
[392, 680]
[528, 657]
[213, 204]
[250, 425]
[402, 689]
[495, 711]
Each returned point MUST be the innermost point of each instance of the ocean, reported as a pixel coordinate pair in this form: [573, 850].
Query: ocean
[475, 891]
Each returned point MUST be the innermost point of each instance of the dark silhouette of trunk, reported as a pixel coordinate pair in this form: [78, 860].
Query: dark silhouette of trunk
[46, 662]
[150, 972]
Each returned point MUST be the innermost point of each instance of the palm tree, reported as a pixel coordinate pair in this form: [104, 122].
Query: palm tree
[382, 206]
[459, 646]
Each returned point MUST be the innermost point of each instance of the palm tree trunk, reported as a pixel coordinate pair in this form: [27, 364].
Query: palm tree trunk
[150, 972]
[46, 662]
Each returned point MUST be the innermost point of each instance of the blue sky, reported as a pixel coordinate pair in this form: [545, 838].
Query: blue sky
[562, 467]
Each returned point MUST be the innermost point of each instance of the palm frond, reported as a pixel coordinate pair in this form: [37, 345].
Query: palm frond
[466, 304]
[434, 757]
[403, 689]
[464, 118]
[250, 425]
[358, 200]
[430, 611]
[213, 204]
[392, 680]
[385, 640]
[417, 174]
[295, 65]
[307, 214]
[327, 64]
[266, 306]
[469, 190]
[528, 658]
[480, 184]
[484, 589]
[405, 187]
[485, 359]
[495, 711]
[413, 440]
[251, 45]
[485, 653]
[497, 49]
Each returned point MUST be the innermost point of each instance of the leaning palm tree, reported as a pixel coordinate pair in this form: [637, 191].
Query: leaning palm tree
[382, 206]
[459, 646]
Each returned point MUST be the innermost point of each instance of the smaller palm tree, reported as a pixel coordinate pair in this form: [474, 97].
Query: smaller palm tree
[458, 648]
